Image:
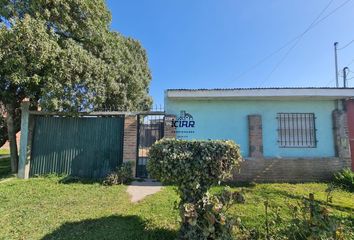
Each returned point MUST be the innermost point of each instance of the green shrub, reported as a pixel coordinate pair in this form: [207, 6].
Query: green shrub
[195, 166]
[310, 220]
[125, 172]
[345, 179]
[122, 175]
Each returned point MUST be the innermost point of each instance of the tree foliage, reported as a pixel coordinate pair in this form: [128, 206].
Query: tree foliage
[62, 55]
[194, 167]
[65, 51]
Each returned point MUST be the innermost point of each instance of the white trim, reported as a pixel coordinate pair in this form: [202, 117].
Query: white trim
[278, 93]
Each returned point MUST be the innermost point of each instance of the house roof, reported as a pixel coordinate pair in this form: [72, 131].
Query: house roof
[318, 93]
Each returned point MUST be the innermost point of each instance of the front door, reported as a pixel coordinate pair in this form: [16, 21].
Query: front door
[150, 130]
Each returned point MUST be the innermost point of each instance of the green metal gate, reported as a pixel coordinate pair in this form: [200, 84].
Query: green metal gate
[87, 147]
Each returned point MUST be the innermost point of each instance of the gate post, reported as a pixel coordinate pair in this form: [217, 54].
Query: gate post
[341, 138]
[169, 130]
[23, 165]
[130, 140]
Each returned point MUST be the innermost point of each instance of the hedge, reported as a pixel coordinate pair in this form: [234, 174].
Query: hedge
[194, 167]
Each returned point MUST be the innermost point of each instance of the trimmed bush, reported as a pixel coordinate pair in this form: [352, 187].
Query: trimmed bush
[194, 167]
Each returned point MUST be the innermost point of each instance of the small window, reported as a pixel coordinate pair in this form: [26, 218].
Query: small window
[296, 130]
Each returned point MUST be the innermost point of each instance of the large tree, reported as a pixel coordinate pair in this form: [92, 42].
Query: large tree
[61, 55]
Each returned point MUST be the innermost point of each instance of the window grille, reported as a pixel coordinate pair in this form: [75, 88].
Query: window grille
[296, 130]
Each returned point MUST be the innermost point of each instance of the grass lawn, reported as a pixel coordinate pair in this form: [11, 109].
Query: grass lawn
[4, 152]
[44, 208]
[280, 196]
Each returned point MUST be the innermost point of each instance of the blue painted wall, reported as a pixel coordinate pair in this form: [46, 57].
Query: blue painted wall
[227, 119]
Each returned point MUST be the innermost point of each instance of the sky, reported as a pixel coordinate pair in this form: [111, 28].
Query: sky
[227, 43]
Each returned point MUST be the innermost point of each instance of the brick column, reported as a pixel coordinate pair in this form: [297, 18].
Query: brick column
[130, 140]
[255, 137]
[340, 133]
[169, 130]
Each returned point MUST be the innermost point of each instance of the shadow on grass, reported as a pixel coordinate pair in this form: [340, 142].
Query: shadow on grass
[68, 179]
[112, 227]
[5, 167]
[239, 184]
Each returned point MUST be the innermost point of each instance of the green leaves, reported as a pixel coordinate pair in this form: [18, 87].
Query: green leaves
[25, 50]
[63, 54]
[82, 82]
[345, 179]
[195, 166]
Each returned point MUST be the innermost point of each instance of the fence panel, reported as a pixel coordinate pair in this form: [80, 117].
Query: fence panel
[79, 146]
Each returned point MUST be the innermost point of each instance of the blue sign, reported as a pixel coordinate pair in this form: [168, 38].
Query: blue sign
[184, 120]
[185, 125]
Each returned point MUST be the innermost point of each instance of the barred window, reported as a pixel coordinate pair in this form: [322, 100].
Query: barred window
[296, 130]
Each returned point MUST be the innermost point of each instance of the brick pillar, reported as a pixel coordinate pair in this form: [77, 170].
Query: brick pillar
[130, 140]
[255, 137]
[340, 133]
[169, 130]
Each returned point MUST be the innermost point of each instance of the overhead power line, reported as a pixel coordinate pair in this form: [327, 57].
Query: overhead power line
[292, 40]
[333, 11]
[346, 45]
[266, 58]
[297, 41]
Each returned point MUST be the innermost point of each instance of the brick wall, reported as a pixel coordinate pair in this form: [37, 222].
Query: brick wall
[130, 140]
[169, 130]
[259, 169]
[255, 137]
[289, 169]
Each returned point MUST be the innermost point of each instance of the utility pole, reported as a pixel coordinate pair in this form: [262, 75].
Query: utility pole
[345, 76]
[336, 63]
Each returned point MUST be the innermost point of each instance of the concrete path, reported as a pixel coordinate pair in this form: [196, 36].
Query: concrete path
[139, 190]
[4, 156]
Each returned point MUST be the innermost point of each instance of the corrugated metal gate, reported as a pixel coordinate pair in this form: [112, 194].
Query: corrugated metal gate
[87, 147]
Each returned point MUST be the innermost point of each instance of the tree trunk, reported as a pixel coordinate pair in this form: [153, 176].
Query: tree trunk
[10, 116]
